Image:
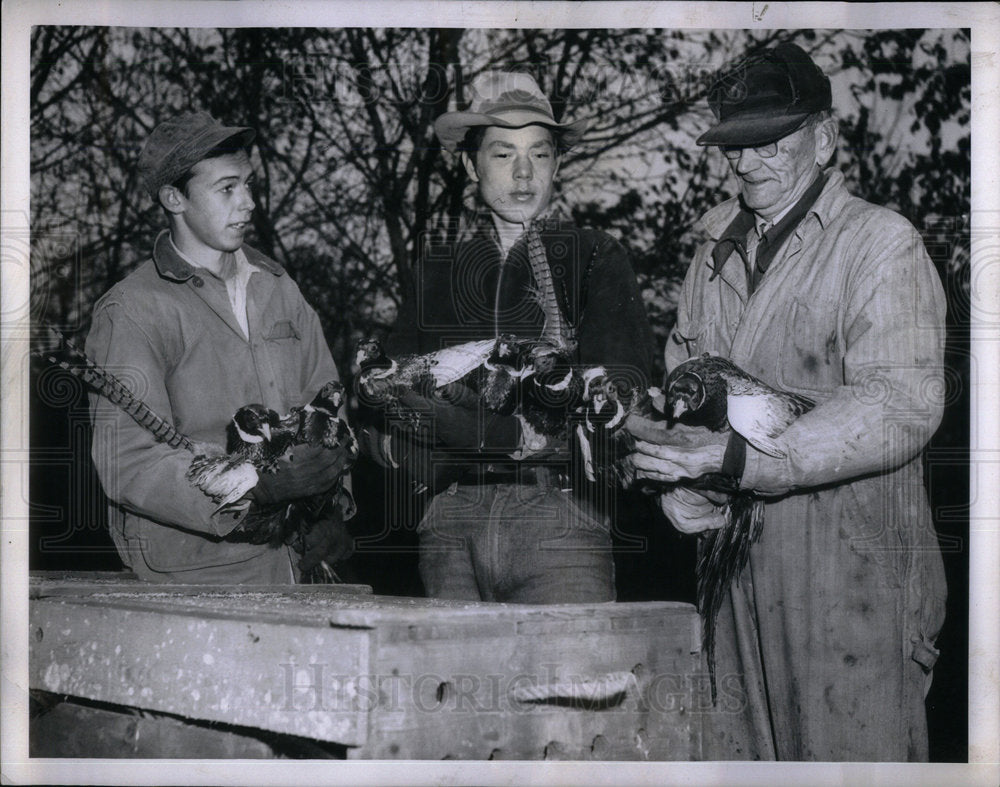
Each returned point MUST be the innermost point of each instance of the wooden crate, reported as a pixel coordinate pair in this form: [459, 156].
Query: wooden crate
[386, 677]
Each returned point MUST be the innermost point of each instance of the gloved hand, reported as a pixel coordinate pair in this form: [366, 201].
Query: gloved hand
[451, 416]
[307, 471]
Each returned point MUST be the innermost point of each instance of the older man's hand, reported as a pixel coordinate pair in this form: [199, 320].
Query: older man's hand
[690, 512]
[679, 435]
[678, 453]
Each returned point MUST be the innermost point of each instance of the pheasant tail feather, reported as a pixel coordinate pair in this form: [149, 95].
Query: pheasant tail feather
[722, 556]
[554, 329]
[114, 390]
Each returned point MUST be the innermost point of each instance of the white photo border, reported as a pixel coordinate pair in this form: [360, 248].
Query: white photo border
[984, 635]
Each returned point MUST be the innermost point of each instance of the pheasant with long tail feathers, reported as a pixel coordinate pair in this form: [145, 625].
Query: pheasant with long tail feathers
[256, 438]
[715, 393]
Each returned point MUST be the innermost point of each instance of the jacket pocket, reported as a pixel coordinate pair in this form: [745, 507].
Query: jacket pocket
[283, 329]
[870, 518]
[706, 339]
[809, 359]
[286, 369]
[171, 550]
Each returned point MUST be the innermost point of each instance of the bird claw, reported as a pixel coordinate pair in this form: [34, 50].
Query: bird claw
[327, 575]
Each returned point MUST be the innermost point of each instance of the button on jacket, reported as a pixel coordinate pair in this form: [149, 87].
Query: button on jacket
[168, 329]
[833, 621]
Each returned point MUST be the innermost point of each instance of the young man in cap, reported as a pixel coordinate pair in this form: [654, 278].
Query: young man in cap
[830, 628]
[499, 528]
[206, 326]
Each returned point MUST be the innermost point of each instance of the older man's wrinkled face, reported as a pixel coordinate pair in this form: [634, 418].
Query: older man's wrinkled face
[769, 185]
[514, 168]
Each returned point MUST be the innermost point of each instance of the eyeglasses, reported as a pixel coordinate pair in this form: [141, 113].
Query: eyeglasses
[770, 150]
[733, 152]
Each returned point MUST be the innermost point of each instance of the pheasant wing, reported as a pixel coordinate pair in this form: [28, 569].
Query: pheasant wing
[763, 415]
[451, 364]
[222, 479]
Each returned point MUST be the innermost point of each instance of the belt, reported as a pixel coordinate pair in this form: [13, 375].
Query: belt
[530, 475]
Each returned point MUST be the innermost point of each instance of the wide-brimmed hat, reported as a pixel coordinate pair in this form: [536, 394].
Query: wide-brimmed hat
[179, 143]
[766, 97]
[507, 99]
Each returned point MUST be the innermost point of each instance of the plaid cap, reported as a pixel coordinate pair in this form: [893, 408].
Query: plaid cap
[508, 99]
[766, 97]
[179, 143]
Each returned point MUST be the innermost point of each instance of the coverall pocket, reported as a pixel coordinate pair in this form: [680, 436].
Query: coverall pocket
[809, 360]
[867, 521]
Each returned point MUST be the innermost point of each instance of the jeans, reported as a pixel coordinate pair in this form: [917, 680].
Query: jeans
[514, 543]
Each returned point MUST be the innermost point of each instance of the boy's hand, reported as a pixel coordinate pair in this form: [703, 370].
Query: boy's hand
[449, 416]
[306, 472]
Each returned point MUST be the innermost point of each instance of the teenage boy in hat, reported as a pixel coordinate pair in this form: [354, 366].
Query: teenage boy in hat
[830, 628]
[206, 326]
[499, 528]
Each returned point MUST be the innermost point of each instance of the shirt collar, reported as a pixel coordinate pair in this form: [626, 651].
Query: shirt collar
[171, 264]
[761, 225]
[734, 235]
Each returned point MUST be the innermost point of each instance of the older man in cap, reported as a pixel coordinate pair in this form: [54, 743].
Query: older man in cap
[508, 523]
[205, 326]
[829, 630]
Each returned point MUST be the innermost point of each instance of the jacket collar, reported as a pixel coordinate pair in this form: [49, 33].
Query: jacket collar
[728, 224]
[478, 222]
[170, 264]
[831, 200]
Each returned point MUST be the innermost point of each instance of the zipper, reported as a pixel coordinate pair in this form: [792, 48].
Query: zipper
[496, 293]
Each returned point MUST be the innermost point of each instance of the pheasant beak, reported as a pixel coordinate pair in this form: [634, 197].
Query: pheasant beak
[679, 408]
[266, 429]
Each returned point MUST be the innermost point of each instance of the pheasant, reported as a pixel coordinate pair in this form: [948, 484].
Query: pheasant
[319, 422]
[228, 477]
[715, 393]
[316, 424]
[505, 367]
[551, 389]
[382, 379]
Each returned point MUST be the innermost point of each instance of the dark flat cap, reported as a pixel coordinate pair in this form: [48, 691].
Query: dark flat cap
[766, 97]
[179, 143]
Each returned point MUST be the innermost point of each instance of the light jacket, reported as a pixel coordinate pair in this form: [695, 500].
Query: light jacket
[844, 593]
[168, 329]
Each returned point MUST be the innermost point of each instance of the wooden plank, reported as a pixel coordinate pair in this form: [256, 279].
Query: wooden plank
[390, 677]
[72, 730]
[61, 583]
[443, 697]
[295, 679]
